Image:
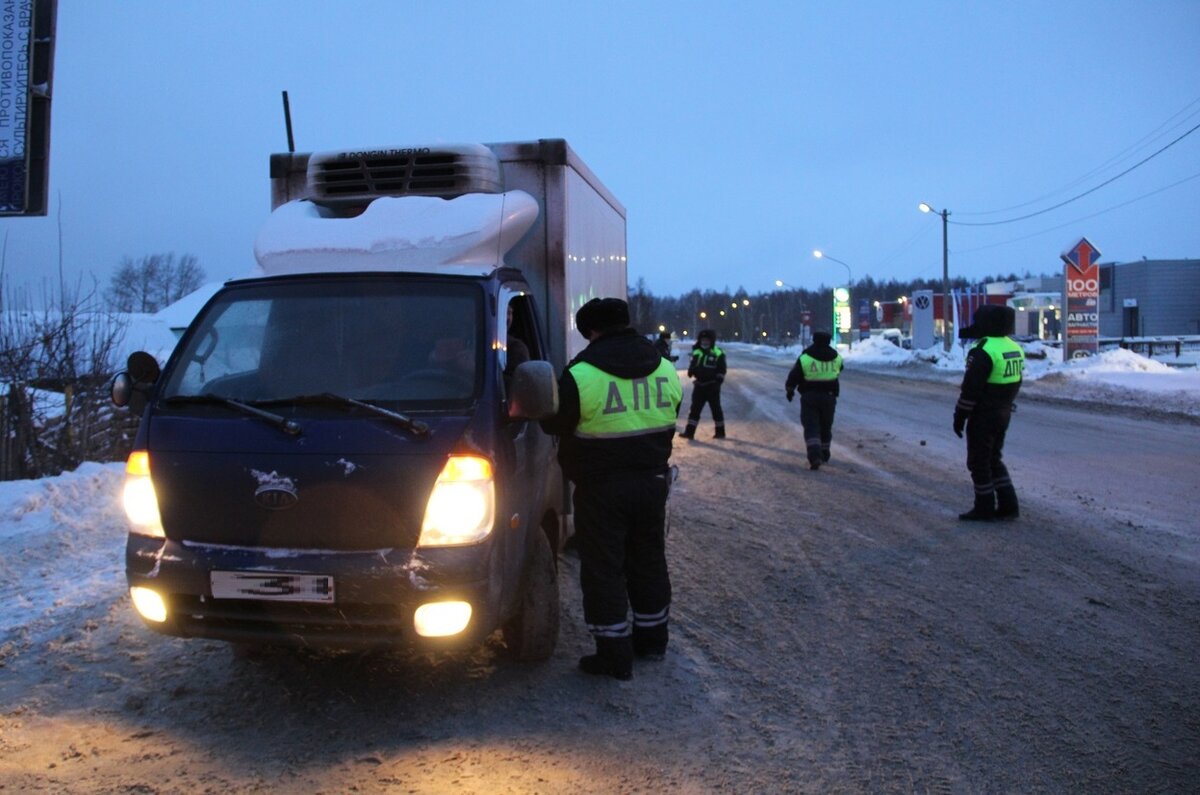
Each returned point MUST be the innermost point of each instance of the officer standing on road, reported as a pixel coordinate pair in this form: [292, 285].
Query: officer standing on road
[707, 368]
[985, 405]
[618, 404]
[663, 343]
[815, 374]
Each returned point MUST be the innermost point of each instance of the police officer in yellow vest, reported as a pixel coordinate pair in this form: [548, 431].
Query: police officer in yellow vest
[815, 375]
[985, 405]
[618, 403]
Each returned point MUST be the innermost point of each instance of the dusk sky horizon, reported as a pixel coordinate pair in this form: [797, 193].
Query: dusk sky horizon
[739, 137]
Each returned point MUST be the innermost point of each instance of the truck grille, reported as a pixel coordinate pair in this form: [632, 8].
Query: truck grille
[360, 176]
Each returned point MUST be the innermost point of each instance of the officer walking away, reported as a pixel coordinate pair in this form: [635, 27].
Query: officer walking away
[663, 343]
[618, 404]
[815, 375]
[985, 405]
[707, 369]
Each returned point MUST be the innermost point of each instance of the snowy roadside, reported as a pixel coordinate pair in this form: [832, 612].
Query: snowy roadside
[1118, 377]
[61, 547]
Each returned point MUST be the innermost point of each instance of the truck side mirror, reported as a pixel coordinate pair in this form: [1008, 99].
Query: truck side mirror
[533, 394]
[129, 387]
[122, 389]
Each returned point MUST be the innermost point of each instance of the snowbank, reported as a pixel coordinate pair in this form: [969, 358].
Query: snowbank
[58, 537]
[1118, 376]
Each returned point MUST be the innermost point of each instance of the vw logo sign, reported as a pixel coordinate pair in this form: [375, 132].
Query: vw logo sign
[921, 302]
[275, 497]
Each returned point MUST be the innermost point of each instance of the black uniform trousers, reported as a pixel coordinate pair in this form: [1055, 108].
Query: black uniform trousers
[620, 530]
[985, 448]
[702, 394]
[816, 417]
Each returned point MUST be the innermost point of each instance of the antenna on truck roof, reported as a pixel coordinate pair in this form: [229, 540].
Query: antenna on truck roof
[287, 118]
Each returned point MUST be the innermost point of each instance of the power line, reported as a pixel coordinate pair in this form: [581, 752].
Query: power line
[1077, 220]
[1138, 164]
[921, 231]
[1118, 157]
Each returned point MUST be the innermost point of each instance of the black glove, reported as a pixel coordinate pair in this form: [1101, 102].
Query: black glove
[791, 393]
[960, 420]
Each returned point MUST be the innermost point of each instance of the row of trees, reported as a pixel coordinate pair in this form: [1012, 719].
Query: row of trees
[773, 317]
[153, 282]
[58, 349]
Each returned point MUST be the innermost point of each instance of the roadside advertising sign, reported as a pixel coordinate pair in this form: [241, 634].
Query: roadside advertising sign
[26, 58]
[841, 313]
[864, 319]
[922, 319]
[14, 104]
[1081, 277]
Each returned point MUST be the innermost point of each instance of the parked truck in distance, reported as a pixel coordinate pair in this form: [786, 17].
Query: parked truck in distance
[343, 449]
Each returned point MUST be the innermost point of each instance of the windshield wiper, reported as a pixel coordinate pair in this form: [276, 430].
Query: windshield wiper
[290, 427]
[416, 427]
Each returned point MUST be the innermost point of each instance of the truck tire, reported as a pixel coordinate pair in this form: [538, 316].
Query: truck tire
[532, 633]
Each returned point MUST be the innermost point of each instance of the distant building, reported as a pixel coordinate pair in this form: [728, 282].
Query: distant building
[1038, 301]
[1150, 298]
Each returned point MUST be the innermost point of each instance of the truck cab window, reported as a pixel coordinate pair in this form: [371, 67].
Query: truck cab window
[376, 340]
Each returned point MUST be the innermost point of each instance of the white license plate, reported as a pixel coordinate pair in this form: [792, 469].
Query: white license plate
[272, 586]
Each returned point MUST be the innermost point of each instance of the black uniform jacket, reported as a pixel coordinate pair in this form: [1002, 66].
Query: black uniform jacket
[822, 352]
[708, 367]
[625, 354]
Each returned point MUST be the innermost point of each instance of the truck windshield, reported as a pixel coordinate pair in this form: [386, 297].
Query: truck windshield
[411, 344]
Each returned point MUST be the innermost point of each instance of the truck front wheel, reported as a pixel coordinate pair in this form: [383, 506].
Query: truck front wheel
[532, 633]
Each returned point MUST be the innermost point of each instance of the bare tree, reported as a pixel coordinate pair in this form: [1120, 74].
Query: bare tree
[54, 363]
[153, 282]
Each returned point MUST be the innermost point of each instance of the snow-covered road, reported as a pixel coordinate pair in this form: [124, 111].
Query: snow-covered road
[836, 630]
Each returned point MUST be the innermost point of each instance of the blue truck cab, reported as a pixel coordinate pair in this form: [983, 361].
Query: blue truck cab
[342, 450]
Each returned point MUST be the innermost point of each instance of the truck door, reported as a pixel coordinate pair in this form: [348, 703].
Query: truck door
[518, 341]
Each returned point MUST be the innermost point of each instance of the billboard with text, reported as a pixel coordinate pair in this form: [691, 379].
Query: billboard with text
[1081, 276]
[26, 58]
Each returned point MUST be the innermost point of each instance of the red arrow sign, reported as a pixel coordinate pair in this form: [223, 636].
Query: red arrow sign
[1082, 256]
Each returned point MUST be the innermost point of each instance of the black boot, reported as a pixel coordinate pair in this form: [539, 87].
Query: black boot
[688, 433]
[984, 510]
[1006, 503]
[720, 434]
[613, 657]
[650, 644]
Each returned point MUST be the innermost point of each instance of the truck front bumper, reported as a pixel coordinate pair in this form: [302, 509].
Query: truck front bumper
[375, 593]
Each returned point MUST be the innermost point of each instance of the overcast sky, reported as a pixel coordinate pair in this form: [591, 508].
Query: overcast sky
[739, 135]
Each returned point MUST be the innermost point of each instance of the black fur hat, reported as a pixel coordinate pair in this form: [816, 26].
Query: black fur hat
[822, 338]
[991, 320]
[601, 314]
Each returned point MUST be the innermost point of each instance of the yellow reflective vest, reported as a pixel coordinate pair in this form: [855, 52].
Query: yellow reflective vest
[611, 407]
[1008, 360]
[817, 370]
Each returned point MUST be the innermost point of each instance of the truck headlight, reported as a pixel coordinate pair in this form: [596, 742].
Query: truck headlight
[441, 619]
[462, 505]
[138, 497]
[149, 604]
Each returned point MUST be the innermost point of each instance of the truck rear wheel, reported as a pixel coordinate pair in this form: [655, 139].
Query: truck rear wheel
[532, 633]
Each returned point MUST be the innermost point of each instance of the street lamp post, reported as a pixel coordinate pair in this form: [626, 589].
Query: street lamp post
[849, 279]
[926, 208]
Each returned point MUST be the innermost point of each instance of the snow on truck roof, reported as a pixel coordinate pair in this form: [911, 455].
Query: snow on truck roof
[467, 235]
